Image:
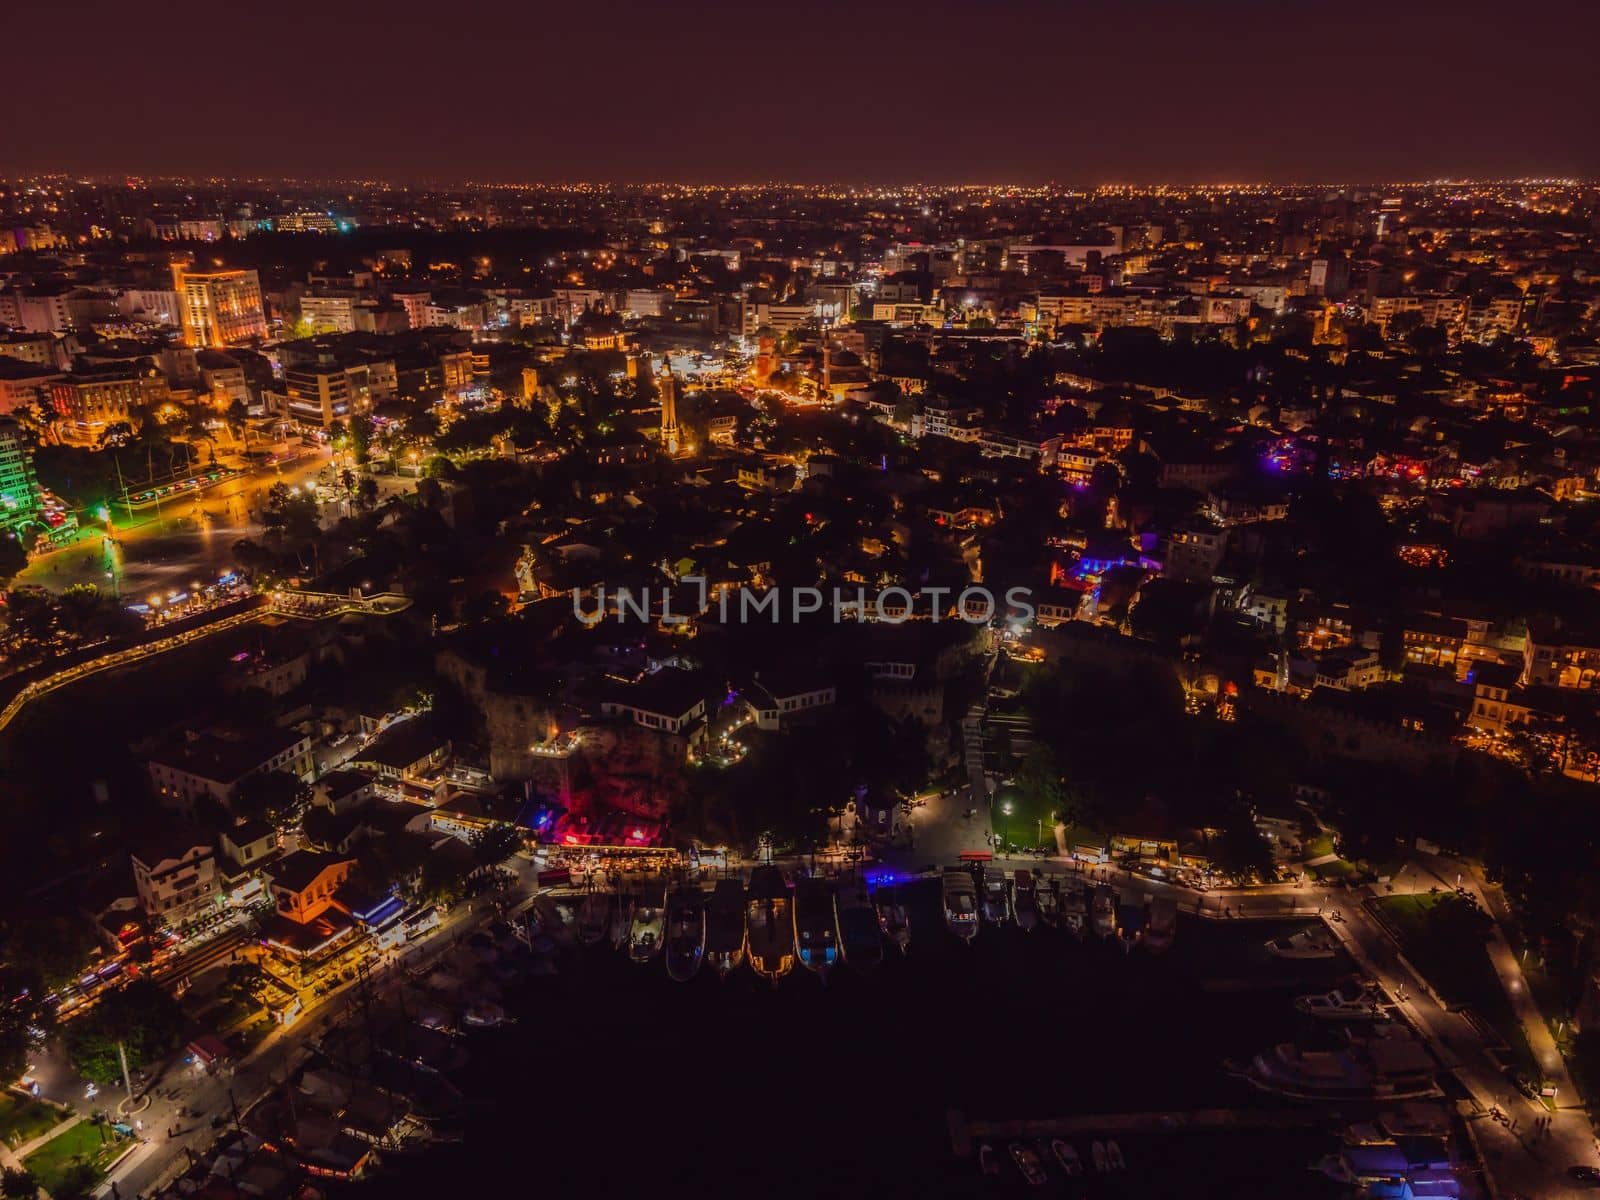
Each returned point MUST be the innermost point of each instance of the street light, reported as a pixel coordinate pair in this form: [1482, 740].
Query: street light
[1005, 808]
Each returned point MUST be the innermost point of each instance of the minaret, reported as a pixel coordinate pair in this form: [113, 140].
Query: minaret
[669, 410]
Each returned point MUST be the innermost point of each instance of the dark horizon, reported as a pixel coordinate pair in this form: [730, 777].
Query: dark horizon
[895, 94]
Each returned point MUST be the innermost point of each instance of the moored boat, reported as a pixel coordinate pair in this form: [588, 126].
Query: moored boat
[594, 917]
[1314, 941]
[686, 932]
[769, 925]
[1048, 898]
[893, 918]
[996, 897]
[816, 924]
[960, 903]
[1067, 1157]
[1104, 910]
[860, 939]
[645, 933]
[725, 927]
[1025, 900]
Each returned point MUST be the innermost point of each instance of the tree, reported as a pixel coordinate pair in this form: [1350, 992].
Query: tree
[50, 950]
[244, 982]
[21, 1019]
[13, 557]
[141, 1016]
[360, 435]
[272, 796]
[493, 844]
[18, 1183]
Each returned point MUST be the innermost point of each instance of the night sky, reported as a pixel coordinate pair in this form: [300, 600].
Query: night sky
[1076, 91]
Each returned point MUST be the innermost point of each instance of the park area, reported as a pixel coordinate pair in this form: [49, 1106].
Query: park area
[22, 1119]
[75, 1161]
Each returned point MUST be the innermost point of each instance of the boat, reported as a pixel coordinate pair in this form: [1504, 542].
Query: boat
[686, 932]
[988, 1160]
[1048, 898]
[1314, 941]
[816, 924]
[1161, 924]
[621, 919]
[1075, 910]
[996, 897]
[1104, 910]
[1114, 1159]
[860, 939]
[1350, 1001]
[1028, 1163]
[769, 926]
[1025, 901]
[893, 917]
[960, 903]
[1391, 1067]
[725, 927]
[485, 1014]
[594, 917]
[1097, 1155]
[647, 930]
[1067, 1157]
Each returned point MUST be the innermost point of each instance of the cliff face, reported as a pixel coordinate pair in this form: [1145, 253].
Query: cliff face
[626, 767]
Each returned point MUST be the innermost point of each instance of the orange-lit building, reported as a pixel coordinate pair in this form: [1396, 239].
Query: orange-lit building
[220, 307]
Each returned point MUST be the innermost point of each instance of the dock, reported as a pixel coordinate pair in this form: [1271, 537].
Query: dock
[963, 1133]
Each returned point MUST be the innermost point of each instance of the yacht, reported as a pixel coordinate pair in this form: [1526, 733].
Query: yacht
[1067, 1156]
[768, 923]
[894, 919]
[1025, 900]
[1314, 941]
[594, 917]
[860, 940]
[646, 931]
[1350, 1001]
[996, 897]
[1048, 898]
[686, 932]
[816, 924]
[725, 927]
[960, 903]
[1105, 910]
[1395, 1067]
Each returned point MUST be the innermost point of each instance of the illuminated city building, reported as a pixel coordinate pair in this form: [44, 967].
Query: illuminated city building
[20, 497]
[669, 412]
[220, 307]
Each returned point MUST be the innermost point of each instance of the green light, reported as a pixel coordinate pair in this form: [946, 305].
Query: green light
[102, 513]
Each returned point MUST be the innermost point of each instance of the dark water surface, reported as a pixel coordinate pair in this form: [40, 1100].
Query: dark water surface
[619, 1082]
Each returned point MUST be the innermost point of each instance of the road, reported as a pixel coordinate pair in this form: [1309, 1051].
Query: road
[269, 1064]
[1519, 1162]
[187, 540]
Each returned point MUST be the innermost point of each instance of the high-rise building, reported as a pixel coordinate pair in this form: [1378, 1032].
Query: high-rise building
[221, 307]
[20, 498]
[669, 410]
